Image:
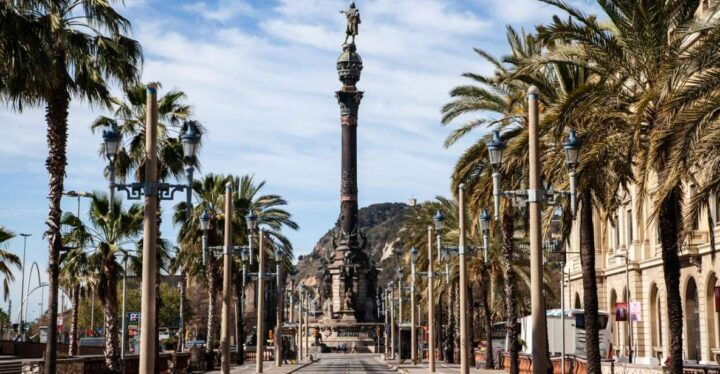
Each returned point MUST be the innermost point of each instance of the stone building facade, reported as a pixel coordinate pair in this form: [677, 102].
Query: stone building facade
[635, 235]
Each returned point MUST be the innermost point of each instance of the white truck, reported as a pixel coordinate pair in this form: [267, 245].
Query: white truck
[574, 333]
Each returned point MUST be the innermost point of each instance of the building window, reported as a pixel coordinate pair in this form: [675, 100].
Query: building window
[629, 223]
[717, 209]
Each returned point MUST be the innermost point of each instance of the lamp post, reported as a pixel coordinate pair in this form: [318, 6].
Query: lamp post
[278, 308]
[123, 339]
[153, 191]
[413, 317]
[535, 195]
[260, 346]
[21, 328]
[392, 319]
[627, 298]
[246, 257]
[464, 346]
[399, 272]
[431, 305]
[300, 318]
[555, 231]
[484, 220]
[227, 282]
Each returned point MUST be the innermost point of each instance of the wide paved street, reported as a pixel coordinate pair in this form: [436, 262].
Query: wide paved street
[347, 363]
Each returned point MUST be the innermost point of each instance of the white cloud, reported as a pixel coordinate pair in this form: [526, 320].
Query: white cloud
[223, 11]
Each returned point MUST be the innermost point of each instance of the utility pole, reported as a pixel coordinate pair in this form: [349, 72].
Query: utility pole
[278, 309]
[260, 346]
[227, 281]
[149, 270]
[431, 305]
[539, 330]
[464, 348]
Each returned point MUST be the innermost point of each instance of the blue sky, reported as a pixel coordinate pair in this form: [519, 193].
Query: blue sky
[261, 77]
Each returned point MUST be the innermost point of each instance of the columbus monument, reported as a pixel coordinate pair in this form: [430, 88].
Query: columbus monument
[349, 308]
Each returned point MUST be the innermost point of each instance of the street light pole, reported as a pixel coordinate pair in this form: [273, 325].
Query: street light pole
[278, 308]
[300, 321]
[153, 192]
[413, 318]
[464, 348]
[307, 324]
[400, 309]
[149, 270]
[539, 330]
[123, 338]
[260, 346]
[627, 299]
[431, 305]
[227, 281]
[392, 321]
[21, 329]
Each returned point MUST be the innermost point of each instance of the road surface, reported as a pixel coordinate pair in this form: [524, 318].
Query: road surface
[347, 363]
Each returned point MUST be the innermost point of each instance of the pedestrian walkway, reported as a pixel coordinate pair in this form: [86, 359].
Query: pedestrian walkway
[440, 368]
[268, 367]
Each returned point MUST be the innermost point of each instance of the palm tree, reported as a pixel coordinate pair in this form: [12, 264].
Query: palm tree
[68, 48]
[109, 234]
[8, 260]
[572, 96]
[76, 279]
[210, 196]
[669, 91]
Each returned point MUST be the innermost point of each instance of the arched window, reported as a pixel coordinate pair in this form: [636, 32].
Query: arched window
[711, 315]
[656, 325]
[578, 303]
[692, 321]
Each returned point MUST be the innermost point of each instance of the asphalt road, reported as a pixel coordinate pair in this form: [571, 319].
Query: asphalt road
[347, 363]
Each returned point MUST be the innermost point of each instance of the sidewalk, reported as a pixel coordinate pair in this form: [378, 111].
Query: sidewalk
[440, 367]
[268, 367]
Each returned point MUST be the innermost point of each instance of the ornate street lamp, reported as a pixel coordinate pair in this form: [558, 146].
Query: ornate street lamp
[485, 229]
[204, 226]
[535, 195]
[152, 191]
[572, 152]
[413, 318]
[439, 220]
[251, 220]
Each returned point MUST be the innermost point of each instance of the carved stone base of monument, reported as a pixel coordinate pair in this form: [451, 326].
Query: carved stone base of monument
[341, 336]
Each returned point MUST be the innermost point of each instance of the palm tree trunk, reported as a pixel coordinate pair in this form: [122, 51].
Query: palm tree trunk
[211, 309]
[508, 231]
[590, 298]
[110, 303]
[74, 324]
[487, 319]
[56, 114]
[668, 217]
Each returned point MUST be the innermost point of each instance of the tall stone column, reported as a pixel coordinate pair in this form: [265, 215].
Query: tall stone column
[348, 289]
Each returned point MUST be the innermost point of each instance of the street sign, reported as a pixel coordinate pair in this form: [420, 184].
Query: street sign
[635, 311]
[621, 312]
[134, 318]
